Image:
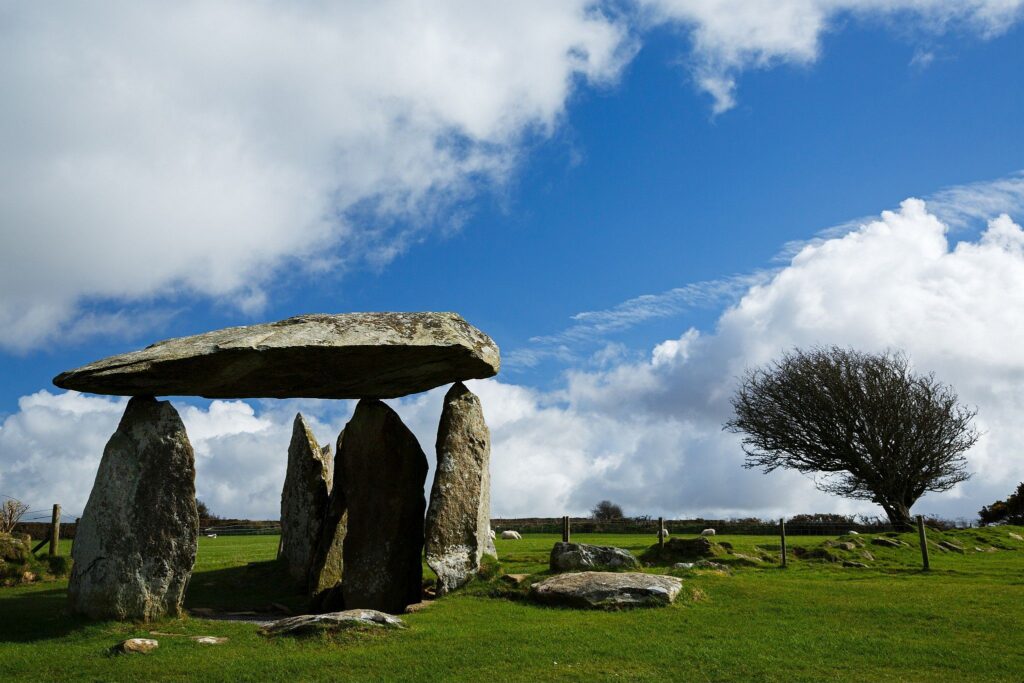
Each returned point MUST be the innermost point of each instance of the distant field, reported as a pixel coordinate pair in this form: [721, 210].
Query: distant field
[814, 621]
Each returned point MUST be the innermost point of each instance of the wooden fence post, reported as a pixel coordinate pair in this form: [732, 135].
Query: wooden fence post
[782, 537]
[924, 541]
[55, 531]
[661, 536]
[566, 535]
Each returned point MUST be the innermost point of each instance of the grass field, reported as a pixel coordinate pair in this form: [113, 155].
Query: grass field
[813, 621]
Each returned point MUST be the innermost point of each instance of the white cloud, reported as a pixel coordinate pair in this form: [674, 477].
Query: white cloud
[732, 35]
[154, 149]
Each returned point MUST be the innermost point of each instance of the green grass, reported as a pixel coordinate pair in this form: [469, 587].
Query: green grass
[812, 621]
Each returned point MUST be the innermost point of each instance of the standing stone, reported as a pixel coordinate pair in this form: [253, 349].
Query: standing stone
[381, 470]
[136, 541]
[458, 520]
[326, 569]
[307, 486]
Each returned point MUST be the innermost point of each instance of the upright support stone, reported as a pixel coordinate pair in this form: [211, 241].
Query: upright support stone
[458, 520]
[381, 470]
[326, 570]
[135, 544]
[307, 487]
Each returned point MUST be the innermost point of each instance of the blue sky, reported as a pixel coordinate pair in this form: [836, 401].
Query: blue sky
[563, 184]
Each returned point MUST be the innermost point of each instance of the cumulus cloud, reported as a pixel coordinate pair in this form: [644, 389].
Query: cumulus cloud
[152, 150]
[732, 35]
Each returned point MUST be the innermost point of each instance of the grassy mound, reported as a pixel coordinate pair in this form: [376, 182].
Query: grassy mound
[18, 565]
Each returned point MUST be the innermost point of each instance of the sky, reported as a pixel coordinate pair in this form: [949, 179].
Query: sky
[638, 200]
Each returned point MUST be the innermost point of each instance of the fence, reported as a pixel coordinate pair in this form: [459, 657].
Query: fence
[658, 527]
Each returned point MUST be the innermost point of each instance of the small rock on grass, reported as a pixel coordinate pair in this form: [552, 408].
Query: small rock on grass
[851, 563]
[210, 640]
[135, 646]
[1016, 537]
[887, 542]
[331, 621]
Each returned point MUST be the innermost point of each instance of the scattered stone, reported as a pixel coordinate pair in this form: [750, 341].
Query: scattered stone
[140, 646]
[846, 545]
[708, 564]
[135, 544]
[1016, 537]
[307, 488]
[515, 579]
[459, 517]
[511, 535]
[887, 542]
[418, 606]
[853, 533]
[683, 565]
[851, 563]
[27, 577]
[989, 549]
[748, 558]
[582, 556]
[867, 556]
[381, 470]
[952, 547]
[353, 355]
[332, 621]
[210, 640]
[607, 590]
[708, 532]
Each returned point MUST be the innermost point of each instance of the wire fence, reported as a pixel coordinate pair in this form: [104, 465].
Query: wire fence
[795, 526]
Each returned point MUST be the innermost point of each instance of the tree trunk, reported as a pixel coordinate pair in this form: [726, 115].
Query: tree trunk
[899, 515]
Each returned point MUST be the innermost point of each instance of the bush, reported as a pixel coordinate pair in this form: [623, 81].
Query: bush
[1009, 511]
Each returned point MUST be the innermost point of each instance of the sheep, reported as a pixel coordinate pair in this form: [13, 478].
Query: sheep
[511, 535]
[490, 532]
[211, 535]
[708, 532]
[663, 534]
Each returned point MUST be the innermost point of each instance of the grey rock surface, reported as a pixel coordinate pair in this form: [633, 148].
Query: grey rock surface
[307, 487]
[607, 590]
[458, 519]
[351, 355]
[380, 470]
[328, 561]
[136, 541]
[331, 621]
[582, 556]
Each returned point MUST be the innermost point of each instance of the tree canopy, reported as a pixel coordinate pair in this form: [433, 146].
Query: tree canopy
[606, 510]
[873, 427]
[1009, 511]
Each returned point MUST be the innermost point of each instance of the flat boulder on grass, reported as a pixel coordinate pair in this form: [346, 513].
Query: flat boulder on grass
[331, 621]
[582, 556]
[607, 590]
[887, 542]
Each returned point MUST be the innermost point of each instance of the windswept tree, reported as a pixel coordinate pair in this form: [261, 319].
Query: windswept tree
[606, 510]
[11, 512]
[874, 428]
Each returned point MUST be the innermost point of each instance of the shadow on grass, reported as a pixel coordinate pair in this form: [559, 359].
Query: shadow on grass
[37, 615]
[250, 587]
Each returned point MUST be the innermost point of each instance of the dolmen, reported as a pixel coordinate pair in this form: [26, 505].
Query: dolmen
[354, 528]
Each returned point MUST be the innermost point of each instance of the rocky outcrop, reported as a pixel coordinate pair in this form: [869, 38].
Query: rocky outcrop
[136, 541]
[328, 562]
[380, 470]
[458, 520]
[307, 487]
[582, 556]
[607, 590]
[353, 355]
[332, 621]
